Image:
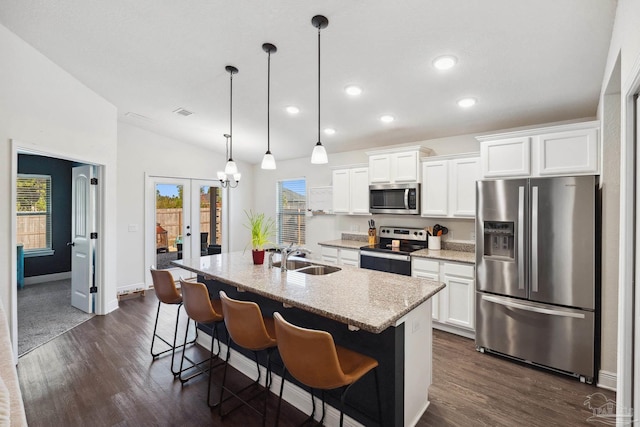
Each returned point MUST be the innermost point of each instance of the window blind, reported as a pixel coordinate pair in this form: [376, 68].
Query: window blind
[33, 207]
[291, 208]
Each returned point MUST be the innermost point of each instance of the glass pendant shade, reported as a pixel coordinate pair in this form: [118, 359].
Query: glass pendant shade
[268, 161]
[222, 176]
[319, 155]
[231, 168]
[237, 176]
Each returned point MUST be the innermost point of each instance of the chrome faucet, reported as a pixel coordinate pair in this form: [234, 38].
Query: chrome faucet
[288, 251]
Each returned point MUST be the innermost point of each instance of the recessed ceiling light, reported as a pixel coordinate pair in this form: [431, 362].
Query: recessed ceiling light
[292, 110]
[329, 131]
[387, 119]
[353, 90]
[467, 102]
[445, 62]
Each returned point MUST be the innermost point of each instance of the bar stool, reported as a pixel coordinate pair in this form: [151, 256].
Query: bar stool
[167, 293]
[201, 309]
[250, 330]
[313, 359]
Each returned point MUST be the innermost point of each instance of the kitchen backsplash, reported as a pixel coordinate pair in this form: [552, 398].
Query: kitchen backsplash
[451, 245]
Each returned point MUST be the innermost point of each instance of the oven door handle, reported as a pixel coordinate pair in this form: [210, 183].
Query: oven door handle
[385, 255]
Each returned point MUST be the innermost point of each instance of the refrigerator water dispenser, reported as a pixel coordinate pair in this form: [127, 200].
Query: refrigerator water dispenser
[499, 239]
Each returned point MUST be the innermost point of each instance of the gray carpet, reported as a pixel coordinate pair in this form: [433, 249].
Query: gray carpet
[44, 312]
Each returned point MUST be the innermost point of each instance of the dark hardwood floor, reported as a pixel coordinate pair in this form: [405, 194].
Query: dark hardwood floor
[101, 374]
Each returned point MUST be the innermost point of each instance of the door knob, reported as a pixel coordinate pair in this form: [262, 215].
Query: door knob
[71, 244]
[188, 234]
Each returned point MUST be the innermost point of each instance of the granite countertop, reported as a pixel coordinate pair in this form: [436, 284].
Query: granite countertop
[344, 244]
[466, 252]
[367, 299]
[446, 255]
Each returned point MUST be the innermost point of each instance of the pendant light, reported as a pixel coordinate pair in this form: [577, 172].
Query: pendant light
[231, 168]
[319, 155]
[268, 161]
[230, 177]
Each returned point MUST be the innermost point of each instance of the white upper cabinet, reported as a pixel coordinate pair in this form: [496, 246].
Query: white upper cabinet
[435, 188]
[464, 174]
[571, 149]
[359, 189]
[341, 191]
[379, 168]
[449, 186]
[398, 165]
[569, 152]
[351, 190]
[506, 157]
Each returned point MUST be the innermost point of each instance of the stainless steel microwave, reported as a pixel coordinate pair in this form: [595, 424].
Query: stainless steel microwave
[394, 199]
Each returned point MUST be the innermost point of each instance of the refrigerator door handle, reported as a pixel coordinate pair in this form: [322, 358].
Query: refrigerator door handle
[520, 237]
[542, 310]
[534, 239]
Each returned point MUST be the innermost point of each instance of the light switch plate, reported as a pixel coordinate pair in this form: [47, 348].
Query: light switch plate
[133, 228]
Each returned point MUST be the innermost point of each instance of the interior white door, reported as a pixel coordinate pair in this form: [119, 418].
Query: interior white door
[82, 245]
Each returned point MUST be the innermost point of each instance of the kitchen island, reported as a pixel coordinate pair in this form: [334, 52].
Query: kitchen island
[383, 315]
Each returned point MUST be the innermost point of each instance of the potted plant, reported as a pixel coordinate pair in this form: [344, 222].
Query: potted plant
[262, 228]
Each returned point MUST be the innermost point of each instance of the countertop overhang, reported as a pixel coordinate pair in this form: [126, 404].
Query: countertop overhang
[367, 299]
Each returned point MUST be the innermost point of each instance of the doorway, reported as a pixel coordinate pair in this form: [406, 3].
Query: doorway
[56, 269]
[184, 220]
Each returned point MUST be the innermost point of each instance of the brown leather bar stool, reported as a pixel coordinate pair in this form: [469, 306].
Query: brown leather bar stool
[201, 309]
[313, 359]
[167, 293]
[250, 330]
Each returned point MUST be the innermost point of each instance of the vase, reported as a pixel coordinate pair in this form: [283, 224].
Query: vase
[258, 257]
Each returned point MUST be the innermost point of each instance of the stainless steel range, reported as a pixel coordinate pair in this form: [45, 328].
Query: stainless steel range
[385, 256]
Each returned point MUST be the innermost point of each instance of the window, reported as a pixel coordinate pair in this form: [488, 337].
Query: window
[291, 209]
[33, 206]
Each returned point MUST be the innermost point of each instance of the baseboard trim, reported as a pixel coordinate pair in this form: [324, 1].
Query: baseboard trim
[112, 306]
[134, 287]
[454, 330]
[293, 394]
[607, 380]
[47, 278]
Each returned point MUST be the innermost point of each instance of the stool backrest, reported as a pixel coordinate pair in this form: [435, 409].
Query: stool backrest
[165, 287]
[197, 304]
[245, 324]
[309, 355]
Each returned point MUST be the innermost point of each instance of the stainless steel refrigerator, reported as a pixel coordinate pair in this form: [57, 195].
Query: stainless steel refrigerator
[537, 271]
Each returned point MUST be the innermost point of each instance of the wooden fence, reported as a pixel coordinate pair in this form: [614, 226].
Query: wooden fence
[172, 221]
[32, 231]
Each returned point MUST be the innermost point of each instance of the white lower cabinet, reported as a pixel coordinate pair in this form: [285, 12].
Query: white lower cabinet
[349, 257]
[340, 256]
[329, 255]
[453, 308]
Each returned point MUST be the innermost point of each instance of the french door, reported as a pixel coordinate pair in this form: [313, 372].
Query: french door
[184, 221]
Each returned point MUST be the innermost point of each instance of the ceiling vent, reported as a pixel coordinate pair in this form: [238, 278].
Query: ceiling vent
[181, 111]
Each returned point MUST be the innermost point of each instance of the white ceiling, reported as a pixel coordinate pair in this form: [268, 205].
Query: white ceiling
[527, 62]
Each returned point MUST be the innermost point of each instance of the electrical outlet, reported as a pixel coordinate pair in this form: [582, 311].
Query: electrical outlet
[472, 235]
[415, 327]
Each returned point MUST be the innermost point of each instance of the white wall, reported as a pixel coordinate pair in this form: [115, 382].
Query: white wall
[625, 42]
[141, 151]
[329, 227]
[47, 110]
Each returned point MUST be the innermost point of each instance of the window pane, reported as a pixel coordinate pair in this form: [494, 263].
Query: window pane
[210, 219]
[169, 222]
[33, 205]
[291, 209]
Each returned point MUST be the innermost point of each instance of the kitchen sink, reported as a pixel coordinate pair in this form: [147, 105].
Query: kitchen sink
[306, 267]
[293, 264]
[318, 270]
